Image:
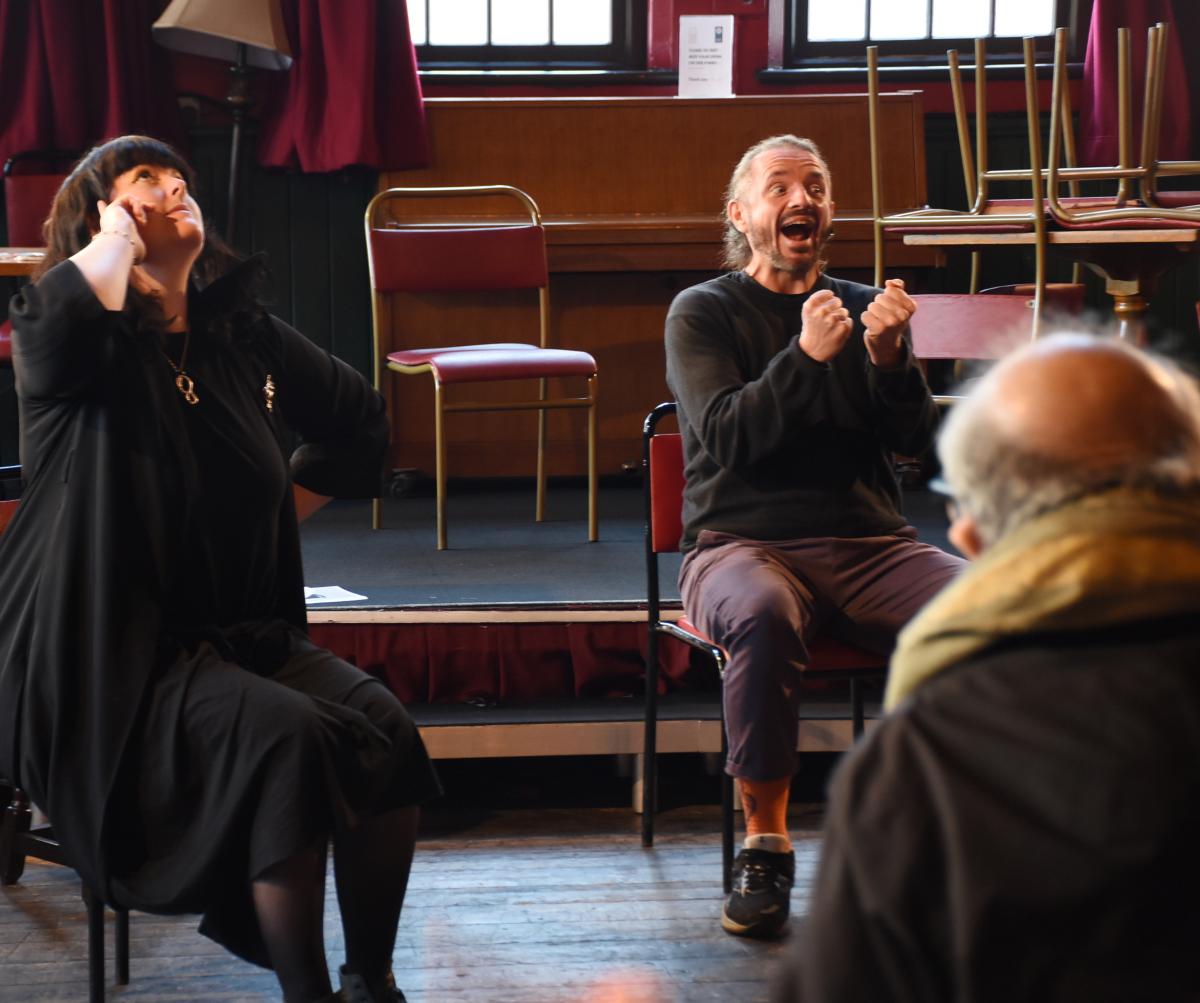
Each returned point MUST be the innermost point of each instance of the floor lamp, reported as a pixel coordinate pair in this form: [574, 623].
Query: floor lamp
[244, 33]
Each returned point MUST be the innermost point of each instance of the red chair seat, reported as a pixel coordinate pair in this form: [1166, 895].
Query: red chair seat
[1148, 223]
[1177, 200]
[484, 363]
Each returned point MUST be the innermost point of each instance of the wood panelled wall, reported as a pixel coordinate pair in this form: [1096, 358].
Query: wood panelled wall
[631, 192]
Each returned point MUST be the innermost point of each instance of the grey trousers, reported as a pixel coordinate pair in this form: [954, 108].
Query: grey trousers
[762, 600]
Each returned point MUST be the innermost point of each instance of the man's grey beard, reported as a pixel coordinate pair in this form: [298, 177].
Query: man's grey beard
[782, 264]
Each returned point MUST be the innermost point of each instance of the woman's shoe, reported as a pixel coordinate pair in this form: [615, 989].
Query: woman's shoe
[355, 989]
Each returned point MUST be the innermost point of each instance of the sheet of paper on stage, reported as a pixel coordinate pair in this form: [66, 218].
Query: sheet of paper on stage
[706, 56]
[329, 593]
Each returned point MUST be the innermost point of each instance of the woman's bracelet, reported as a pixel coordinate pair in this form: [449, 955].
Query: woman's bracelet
[123, 236]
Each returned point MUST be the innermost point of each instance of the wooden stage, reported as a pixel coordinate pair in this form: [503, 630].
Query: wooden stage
[524, 639]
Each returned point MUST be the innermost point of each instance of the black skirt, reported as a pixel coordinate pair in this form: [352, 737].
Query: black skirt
[254, 746]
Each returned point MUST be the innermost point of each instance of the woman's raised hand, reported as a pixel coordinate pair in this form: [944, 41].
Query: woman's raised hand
[122, 217]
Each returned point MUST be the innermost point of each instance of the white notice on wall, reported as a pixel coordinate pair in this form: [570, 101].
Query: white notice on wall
[706, 56]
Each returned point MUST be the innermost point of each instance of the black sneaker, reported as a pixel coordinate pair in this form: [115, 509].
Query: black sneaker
[762, 893]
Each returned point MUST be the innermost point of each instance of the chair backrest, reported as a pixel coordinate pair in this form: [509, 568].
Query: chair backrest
[969, 326]
[467, 251]
[31, 180]
[666, 491]
[455, 253]
[8, 506]
[5, 344]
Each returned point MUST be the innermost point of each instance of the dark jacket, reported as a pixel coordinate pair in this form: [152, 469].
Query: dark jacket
[95, 549]
[1024, 827]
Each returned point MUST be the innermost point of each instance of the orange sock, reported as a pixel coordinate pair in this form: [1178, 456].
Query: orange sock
[765, 804]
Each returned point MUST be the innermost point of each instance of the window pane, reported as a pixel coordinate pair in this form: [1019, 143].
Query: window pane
[960, 18]
[1024, 17]
[583, 22]
[458, 22]
[837, 20]
[521, 22]
[416, 21]
[899, 19]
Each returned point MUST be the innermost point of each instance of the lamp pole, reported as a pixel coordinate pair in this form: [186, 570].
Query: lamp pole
[238, 99]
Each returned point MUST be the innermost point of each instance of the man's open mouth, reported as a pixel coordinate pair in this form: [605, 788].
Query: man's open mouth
[798, 229]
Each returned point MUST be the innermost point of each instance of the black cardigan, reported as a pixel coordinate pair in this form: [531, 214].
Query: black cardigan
[92, 553]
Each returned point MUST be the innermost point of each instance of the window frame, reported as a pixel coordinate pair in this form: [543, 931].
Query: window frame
[799, 53]
[626, 51]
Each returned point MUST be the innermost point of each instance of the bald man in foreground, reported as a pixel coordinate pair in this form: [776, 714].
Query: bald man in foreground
[1025, 823]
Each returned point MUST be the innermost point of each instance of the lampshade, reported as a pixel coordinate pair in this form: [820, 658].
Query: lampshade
[216, 28]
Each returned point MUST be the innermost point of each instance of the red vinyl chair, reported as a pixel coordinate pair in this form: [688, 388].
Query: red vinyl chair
[31, 180]
[471, 254]
[984, 326]
[20, 839]
[830, 659]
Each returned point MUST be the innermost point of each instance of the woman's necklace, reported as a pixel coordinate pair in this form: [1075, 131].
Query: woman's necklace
[183, 383]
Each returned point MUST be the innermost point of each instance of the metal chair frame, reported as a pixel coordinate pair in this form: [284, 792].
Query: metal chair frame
[442, 407]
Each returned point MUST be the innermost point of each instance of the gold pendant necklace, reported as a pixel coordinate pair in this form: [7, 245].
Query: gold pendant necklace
[183, 383]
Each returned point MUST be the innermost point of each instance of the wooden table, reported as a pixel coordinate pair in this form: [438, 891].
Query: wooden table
[20, 260]
[1130, 261]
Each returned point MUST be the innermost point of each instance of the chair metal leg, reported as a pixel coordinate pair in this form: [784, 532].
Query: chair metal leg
[650, 741]
[14, 823]
[439, 435]
[726, 811]
[539, 512]
[593, 514]
[95, 913]
[121, 947]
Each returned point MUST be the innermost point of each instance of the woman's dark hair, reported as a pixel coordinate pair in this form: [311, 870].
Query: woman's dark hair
[74, 217]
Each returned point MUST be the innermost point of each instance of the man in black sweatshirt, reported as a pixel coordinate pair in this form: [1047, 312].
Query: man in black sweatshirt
[794, 390]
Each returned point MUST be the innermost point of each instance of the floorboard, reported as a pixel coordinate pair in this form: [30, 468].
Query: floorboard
[514, 905]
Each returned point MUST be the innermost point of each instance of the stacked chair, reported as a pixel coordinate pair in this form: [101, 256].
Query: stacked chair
[1136, 201]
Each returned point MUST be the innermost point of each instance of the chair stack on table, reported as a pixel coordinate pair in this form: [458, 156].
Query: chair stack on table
[1047, 209]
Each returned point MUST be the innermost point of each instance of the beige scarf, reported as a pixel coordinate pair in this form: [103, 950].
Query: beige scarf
[1106, 559]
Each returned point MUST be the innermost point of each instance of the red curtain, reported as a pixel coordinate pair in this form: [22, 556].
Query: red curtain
[1098, 111]
[352, 95]
[73, 74]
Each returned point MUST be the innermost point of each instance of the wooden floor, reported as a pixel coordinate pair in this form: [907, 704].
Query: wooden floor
[512, 906]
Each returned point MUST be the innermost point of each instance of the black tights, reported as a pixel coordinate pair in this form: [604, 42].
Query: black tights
[371, 866]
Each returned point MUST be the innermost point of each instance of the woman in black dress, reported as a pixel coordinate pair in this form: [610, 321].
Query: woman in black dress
[159, 697]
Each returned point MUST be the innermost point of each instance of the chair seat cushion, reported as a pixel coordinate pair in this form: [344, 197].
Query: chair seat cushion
[1177, 200]
[1134, 223]
[483, 363]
